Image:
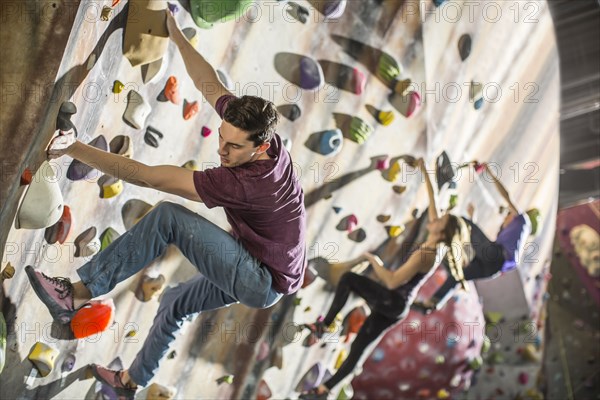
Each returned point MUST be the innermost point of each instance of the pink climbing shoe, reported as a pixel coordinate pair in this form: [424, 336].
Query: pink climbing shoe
[113, 379]
[55, 293]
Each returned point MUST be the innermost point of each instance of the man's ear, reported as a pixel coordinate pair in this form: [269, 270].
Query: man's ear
[263, 147]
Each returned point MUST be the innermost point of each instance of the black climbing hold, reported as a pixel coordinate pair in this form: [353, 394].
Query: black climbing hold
[464, 46]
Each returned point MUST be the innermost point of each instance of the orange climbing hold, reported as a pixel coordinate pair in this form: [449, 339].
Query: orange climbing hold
[93, 318]
[190, 109]
[172, 90]
[115, 2]
[26, 177]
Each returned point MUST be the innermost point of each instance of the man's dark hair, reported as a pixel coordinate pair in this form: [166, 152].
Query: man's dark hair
[254, 115]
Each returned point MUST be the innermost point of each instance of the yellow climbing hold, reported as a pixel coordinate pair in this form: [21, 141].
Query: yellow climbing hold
[118, 87]
[394, 171]
[443, 394]
[493, 317]
[8, 272]
[385, 117]
[160, 392]
[395, 230]
[340, 358]
[440, 359]
[131, 333]
[43, 357]
[225, 379]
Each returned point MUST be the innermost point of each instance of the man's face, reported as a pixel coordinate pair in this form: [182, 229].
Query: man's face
[235, 148]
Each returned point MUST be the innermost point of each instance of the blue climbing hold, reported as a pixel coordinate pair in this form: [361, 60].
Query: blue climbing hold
[331, 142]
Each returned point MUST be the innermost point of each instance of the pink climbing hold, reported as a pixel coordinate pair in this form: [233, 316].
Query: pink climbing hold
[360, 81]
[414, 102]
[206, 131]
[351, 223]
[523, 378]
[383, 164]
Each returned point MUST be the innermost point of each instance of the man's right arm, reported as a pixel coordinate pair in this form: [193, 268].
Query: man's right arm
[203, 75]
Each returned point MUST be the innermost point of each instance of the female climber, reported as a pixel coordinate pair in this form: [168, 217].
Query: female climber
[490, 259]
[389, 299]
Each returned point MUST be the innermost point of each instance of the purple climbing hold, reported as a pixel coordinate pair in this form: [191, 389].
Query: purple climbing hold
[311, 74]
[334, 8]
[68, 363]
[174, 8]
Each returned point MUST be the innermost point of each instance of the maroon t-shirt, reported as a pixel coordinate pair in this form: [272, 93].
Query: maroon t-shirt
[264, 204]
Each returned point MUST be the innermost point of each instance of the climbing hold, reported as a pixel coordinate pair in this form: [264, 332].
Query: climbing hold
[192, 165]
[190, 109]
[440, 359]
[150, 140]
[109, 186]
[106, 13]
[297, 301]
[493, 317]
[438, 3]
[263, 392]
[26, 177]
[225, 379]
[310, 340]
[206, 13]
[453, 200]
[160, 392]
[350, 222]
[360, 130]
[523, 378]
[308, 309]
[383, 218]
[378, 355]
[424, 393]
[385, 118]
[206, 131]
[172, 355]
[148, 287]
[399, 189]
[350, 79]
[225, 79]
[409, 104]
[79, 170]
[145, 38]
[312, 378]
[476, 94]
[333, 9]
[395, 230]
[394, 171]
[444, 171]
[388, 68]
[401, 86]
[299, 12]
[263, 351]
[192, 36]
[63, 118]
[131, 333]
[383, 163]
[290, 111]
[118, 87]
[91, 61]
[330, 142]
[464, 46]
[43, 356]
[137, 110]
[42, 204]
[171, 90]
[442, 394]
[174, 8]
[86, 244]
[337, 209]
[60, 230]
[311, 74]
[68, 363]
[353, 322]
[121, 145]
[8, 272]
[115, 2]
[358, 235]
[92, 318]
[107, 237]
[343, 354]
[134, 210]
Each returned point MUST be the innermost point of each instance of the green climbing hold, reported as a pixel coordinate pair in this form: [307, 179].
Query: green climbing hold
[225, 379]
[388, 68]
[107, 237]
[206, 13]
[360, 130]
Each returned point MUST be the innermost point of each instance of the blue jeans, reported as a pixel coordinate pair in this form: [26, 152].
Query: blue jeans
[229, 274]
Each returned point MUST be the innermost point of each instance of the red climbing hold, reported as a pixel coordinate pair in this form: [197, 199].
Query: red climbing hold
[26, 177]
[190, 109]
[93, 318]
[206, 131]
